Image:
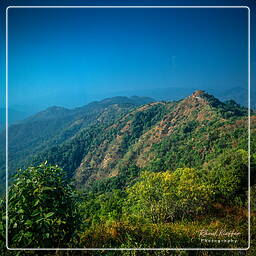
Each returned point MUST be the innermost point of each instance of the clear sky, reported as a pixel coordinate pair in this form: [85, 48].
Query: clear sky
[69, 56]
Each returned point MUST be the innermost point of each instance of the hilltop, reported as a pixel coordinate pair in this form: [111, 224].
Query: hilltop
[102, 140]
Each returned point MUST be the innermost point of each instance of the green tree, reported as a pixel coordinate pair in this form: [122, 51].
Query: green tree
[165, 196]
[229, 174]
[42, 209]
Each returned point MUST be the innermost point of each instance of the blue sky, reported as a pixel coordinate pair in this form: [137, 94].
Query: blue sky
[71, 56]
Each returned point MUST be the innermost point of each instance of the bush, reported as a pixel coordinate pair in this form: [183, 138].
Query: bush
[42, 208]
[166, 197]
[229, 174]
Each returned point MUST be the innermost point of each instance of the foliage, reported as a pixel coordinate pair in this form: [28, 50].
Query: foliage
[165, 196]
[102, 208]
[2, 224]
[229, 174]
[127, 177]
[42, 209]
[192, 144]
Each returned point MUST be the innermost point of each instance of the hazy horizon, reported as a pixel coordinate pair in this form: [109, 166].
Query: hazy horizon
[69, 57]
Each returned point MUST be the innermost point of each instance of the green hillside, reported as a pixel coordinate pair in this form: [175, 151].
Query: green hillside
[160, 175]
[56, 125]
[157, 136]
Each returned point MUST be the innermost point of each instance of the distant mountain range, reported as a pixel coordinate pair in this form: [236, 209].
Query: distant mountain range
[240, 95]
[14, 116]
[100, 140]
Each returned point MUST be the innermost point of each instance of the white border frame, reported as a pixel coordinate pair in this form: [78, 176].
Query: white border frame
[249, 132]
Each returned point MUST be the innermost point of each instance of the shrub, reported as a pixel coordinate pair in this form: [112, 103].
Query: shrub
[165, 196]
[42, 208]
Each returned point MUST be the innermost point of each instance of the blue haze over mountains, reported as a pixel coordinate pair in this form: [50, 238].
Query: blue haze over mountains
[20, 112]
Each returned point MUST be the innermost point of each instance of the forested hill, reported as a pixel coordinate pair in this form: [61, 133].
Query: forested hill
[149, 175]
[164, 136]
[56, 125]
[114, 143]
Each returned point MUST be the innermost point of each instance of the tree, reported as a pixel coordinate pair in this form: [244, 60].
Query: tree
[229, 174]
[165, 196]
[42, 208]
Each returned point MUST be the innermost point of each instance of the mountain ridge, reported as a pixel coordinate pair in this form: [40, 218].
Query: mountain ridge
[57, 124]
[108, 138]
[140, 150]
